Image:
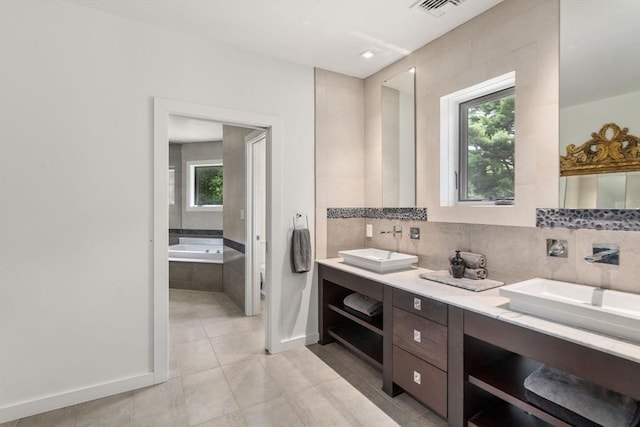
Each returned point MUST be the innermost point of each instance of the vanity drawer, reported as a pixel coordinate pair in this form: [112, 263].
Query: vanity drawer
[426, 383]
[421, 337]
[420, 306]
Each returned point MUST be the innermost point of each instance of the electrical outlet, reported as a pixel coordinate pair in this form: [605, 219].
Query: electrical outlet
[368, 230]
[417, 378]
[417, 303]
[417, 336]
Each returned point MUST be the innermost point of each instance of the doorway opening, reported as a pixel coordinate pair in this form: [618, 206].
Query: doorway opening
[250, 211]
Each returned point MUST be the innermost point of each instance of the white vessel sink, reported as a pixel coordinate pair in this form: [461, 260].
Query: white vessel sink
[378, 260]
[607, 311]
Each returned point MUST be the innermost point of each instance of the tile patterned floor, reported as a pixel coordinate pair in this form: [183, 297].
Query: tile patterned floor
[221, 376]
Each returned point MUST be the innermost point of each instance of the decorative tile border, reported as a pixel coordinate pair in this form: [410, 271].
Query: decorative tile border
[412, 214]
[234, 245]
[344, 213]
[595, 219]
[195, 232]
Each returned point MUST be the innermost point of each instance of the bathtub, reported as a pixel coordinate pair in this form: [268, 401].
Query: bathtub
[190, 249]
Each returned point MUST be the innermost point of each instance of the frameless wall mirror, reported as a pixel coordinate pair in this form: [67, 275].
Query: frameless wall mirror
[599, 86]
[398, 140]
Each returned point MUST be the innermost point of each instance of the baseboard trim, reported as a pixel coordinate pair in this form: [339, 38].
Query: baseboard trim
[50, 403]
[297, 342]
[312, 338]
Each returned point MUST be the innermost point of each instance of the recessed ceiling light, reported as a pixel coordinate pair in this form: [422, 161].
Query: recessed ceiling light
[366, 54]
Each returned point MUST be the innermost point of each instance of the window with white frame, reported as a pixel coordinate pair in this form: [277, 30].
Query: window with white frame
[204, 185]
[478, 144]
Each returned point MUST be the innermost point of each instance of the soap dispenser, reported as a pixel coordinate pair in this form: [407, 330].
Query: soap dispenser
[457, 266]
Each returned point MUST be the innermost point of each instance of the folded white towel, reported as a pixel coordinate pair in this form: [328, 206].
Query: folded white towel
[363, 304]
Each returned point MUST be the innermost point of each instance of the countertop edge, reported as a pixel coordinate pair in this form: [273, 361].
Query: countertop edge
[489, 303]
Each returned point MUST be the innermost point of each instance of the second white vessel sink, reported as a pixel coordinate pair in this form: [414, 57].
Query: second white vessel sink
[378, 260]
[607, 311]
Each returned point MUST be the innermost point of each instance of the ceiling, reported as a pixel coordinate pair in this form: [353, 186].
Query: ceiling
[187, 129]
[328, 34]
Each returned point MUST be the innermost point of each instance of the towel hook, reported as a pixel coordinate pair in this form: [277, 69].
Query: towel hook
[298, 216]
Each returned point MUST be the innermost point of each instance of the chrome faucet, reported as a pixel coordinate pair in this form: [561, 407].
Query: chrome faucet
[604, 255]
[396, 230]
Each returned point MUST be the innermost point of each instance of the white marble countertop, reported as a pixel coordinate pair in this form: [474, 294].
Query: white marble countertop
[490, 303]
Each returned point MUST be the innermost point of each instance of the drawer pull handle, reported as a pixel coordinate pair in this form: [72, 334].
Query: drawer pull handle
[417, 303]
[417, 336]
[417, 377]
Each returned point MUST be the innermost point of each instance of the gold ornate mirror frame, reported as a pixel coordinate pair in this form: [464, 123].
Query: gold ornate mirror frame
[620, 153]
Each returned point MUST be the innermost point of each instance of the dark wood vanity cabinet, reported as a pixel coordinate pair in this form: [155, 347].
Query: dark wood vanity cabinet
[369, 339]
[420, 348]
[467, 367]
[498, 356]
[407, 343]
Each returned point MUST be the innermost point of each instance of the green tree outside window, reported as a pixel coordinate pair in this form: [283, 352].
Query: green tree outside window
[488, 165]
[208, 185]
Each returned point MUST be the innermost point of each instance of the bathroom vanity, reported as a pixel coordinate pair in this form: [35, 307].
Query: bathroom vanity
[463, 354]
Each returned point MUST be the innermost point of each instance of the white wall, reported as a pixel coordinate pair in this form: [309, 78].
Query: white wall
[578, 122]
[76, 201]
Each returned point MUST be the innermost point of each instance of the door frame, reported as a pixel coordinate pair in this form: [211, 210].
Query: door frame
[252, 271]
[159, 266]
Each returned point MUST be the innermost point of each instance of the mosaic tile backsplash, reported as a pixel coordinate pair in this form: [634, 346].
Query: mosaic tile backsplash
[513, 253]
[594, 219]
[410, 214]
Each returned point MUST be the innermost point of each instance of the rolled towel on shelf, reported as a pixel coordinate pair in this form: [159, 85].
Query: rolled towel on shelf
[578, 401]
[471, 259]
[363, 304]
[473, 273]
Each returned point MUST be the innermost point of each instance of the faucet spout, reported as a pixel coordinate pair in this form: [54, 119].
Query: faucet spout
[397, 229]
[608, 256]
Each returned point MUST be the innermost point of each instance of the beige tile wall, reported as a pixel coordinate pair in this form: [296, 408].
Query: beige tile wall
[513, 253]
[234, 181]
[339, 147]
[516, 35]
[199, 151]
[519, 35]
[233, 276]
[175, 210]
[196, 276]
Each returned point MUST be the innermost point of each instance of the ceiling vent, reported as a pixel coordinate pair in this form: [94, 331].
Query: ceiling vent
[436, 8]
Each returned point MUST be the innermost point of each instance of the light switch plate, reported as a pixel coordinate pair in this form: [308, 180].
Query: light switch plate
[417, 378]
[417, 303]
[417, 336]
